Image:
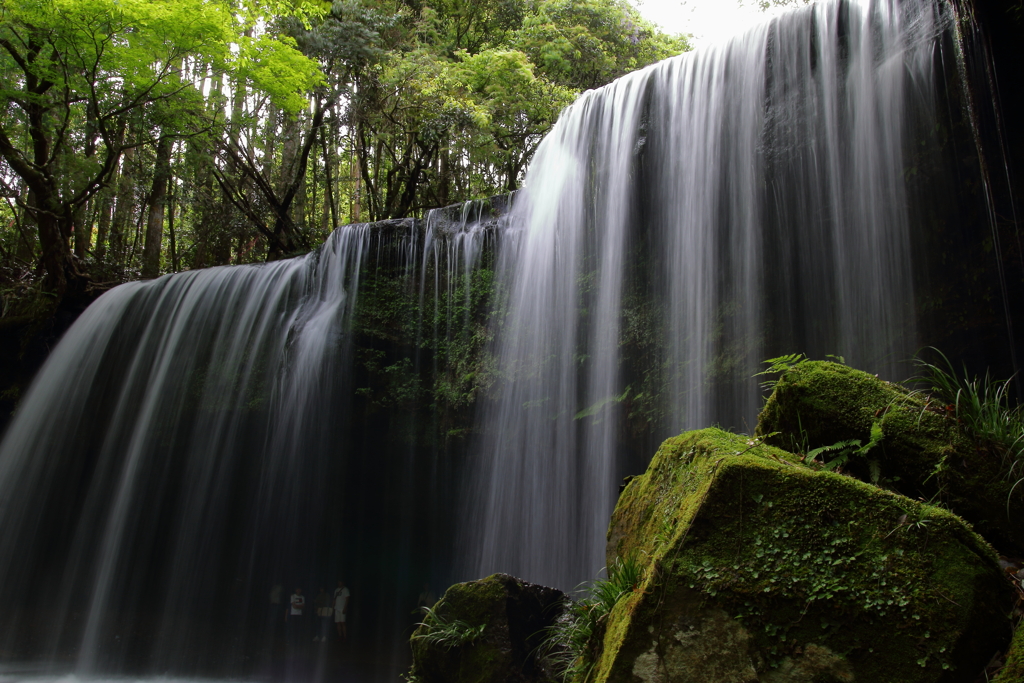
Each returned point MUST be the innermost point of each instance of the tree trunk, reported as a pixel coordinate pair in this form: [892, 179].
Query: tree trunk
[122, 212]
[270, 141]
[103, 223]
[82, 225]
[56, 259]
[83, 232]
[172, 245]
[26, 251]
[155, 222]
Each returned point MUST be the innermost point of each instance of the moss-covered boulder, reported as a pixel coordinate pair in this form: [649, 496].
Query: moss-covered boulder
[485, 631]
[760, 568]
[923, 452]
[1013, 670]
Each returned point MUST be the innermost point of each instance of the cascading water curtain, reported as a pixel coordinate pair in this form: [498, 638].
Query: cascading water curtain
[199, 445]
[170, 463]
[752, 195]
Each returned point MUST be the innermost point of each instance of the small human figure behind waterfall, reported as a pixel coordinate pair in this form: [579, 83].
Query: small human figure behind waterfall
[293, 616]
[323, 614]
[341, 596]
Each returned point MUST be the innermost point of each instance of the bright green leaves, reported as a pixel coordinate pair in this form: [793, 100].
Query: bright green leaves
[518, 105]
[587, 43]
[126, 53]
[274, 65]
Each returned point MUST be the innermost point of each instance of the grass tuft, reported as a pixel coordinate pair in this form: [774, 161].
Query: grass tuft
[982, 406]
[570, 644]
[447, 634]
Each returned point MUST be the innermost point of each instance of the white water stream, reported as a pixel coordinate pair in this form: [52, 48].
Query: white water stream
[755, 191]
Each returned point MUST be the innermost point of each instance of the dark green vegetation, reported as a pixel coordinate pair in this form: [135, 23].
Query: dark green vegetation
[233, 133]
[422, 356]
[791, 556]
[1013, 671]
[485, 630]
[925, 446]
[981, 406]
[572, 642]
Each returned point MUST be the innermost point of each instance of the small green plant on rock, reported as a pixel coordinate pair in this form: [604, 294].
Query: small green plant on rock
[980, 405]
[838, 454]
[783, 364]
[446, 633]
[779, 366]
[570, 644]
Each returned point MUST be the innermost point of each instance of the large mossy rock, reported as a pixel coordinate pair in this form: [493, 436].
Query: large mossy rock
[924, 452]
[513, 615]
[763, 569]
[1013, 671]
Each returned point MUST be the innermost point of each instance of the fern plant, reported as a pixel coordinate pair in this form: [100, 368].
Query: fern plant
[783, 364]
[840, 453]
[779, 366]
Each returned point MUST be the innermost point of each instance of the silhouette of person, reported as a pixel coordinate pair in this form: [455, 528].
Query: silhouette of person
[274, 611]
[341, 599]
[324, 611]
[293, 615]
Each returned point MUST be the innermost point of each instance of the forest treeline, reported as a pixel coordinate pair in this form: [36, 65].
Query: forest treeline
[139, 137]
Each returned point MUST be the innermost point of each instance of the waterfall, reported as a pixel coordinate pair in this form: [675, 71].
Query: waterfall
[434, 400]
[164, 427]
[190, 447]
[738, 202]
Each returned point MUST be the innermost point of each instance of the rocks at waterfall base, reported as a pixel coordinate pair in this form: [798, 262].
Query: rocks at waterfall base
[923, 452]
[762, 564]
[486, 631]
[761, 568]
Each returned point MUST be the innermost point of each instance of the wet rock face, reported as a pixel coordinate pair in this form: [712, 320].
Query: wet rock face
[760, 568]
[923, 451]
[703, 644]
[486, 631]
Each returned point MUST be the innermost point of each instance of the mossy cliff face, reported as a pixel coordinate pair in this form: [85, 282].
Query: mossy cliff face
[923, 453]
[759, 568]
[514, 615]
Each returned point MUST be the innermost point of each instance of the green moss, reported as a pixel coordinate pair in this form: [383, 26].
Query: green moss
[477, 603]
[924, 452]
[501, 621]
[1013, 671]
[747, 544]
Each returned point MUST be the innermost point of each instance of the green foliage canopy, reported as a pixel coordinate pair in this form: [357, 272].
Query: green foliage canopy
[241, 130]
[76, 74]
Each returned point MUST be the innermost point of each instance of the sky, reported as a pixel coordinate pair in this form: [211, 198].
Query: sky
[708, 20]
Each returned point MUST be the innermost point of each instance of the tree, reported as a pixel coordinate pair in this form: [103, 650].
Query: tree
[256, 126]
[765, 5]
[519, 106]
[75, 73]
[586, 43]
